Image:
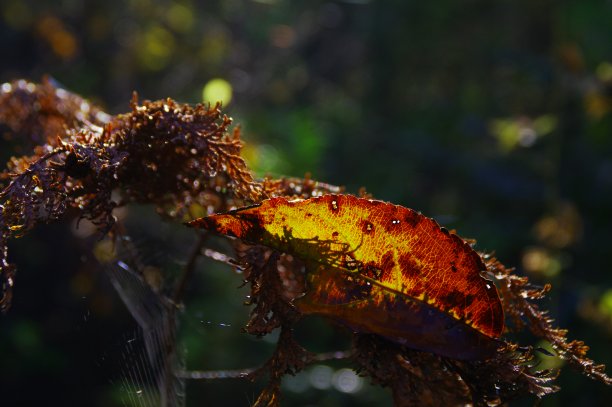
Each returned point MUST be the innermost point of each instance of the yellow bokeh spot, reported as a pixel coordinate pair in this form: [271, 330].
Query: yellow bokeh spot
[537, 260]
[17, 15]
[604, 71]
[104, 251]
[155, 47]
[521, 131]
[262, 159]
[545, 124]
[596, 105]
[215, 48]
[180, 17]
[55, 33]
[605, 304]
[217, 90]
[195, 211]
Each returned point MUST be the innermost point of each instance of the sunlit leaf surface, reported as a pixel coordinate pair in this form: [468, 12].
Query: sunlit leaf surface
[381, 268]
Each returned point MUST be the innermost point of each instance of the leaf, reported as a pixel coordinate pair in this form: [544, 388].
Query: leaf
[380, 268]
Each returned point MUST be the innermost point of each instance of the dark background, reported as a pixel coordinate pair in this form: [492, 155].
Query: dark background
[495, 118]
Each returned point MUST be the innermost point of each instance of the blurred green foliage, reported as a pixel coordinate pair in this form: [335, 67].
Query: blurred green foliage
[493, 117]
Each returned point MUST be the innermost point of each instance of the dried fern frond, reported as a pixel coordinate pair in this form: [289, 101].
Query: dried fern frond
[519, 296]
[174, 156]
[37, 114]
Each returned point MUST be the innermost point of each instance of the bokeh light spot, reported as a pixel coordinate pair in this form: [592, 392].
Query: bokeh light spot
[521, 131]
[282, 36]
[347, 381]
[297, 384]
[17, 15]
[605, 303]
[263, 158]
[62, 42]
[156, 47]
[321, 377]
[217, 90]
[180, 18]
[561, 228]
[604, 71]
[537, 260]
[104, 251]
[216, 46]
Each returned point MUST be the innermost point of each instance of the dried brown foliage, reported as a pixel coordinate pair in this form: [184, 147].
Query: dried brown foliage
[184, 159]
[163, 153]
[519, 298]
[37, 114]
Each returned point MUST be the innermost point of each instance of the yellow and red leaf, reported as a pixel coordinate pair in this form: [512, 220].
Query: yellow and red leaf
[381, 268]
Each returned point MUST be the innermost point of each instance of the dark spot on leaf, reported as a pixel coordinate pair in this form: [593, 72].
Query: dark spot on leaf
[469, 299]
[387, 262]
[409, 267]
[453, 299]
[413, 218]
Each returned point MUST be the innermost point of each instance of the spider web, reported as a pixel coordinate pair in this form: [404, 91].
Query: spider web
[150, 360]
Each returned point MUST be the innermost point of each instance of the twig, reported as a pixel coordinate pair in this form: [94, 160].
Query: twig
[245, 373]
[221, 258]
[189, 268]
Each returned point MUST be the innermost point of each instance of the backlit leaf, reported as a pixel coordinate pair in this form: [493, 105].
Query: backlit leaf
[380, 268]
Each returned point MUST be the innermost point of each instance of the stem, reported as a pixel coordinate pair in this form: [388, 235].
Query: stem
[245, 373]
[189, 268]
